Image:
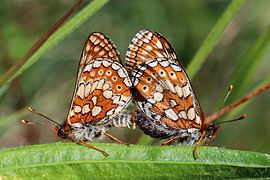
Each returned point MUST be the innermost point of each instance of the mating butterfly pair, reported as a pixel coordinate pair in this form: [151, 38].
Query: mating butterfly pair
[154, 77]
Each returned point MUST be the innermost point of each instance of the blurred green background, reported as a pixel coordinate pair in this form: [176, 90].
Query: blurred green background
[48, 84]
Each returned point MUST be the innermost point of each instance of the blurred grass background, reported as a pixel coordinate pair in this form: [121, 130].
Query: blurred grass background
[48, 84]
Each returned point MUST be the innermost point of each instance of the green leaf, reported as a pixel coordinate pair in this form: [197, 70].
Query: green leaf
[59, 35]
[68, 161]
[213, 37]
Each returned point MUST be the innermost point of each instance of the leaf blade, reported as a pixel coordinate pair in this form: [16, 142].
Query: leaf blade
[71, 160]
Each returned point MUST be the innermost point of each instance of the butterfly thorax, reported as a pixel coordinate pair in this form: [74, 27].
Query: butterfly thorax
[78, 131]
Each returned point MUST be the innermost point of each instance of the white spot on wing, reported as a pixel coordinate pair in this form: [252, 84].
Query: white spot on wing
[107, 94]
[159, 45]
[86, 109]
[170, 86]
[80, 91]
[153, 64]
[135, 81]
[149, 48]
[96, 110]
[158, 88]
[115, 66]
[127, 82]
[198, 120]
[164, 63]
[158, 96]
[183, 114]
[186, 90]
[110, 112]
[191, 113]
[179, 91]
[152, 101]
[171, 114]
[87, 90]
[177, 68]
[87, 68]
[173, 102]
[71, 113]
[77, 109]
[116, 99]
[96, 64]
[100, 84]
[106, 86]
[121, 73]
[106, 63]
[94, 100]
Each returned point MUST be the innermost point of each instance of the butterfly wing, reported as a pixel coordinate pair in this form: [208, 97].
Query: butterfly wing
[162, 87]
[102, 87]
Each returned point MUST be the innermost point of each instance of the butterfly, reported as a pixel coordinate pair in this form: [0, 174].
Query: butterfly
[102, 92]
[169, 108]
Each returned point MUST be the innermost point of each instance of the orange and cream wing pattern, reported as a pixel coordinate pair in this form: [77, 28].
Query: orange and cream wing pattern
[103, 86]
[162, 88]
[147, 45]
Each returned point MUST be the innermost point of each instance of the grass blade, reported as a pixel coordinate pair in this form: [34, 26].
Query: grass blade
[246, 70]
[248, 64]
[213, 37]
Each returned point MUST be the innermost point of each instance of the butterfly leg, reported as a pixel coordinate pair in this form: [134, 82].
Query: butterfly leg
[172, 140]
[196, 148]
[93, 147]
[112, 137]
[133, 119]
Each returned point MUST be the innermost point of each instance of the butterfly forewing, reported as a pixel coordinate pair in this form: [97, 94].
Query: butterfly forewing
[103, 85]
[158, 76]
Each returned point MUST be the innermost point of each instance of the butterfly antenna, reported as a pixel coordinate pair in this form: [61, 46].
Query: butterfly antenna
[42, 123]
[244, 116]
[225, 99]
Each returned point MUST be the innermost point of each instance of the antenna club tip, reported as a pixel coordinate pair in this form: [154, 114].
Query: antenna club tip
[31, 109]
[230, 87]
[24, 122]
[244, 116]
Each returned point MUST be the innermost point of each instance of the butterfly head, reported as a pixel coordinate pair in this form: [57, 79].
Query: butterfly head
[61, 131]
[211, 132]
